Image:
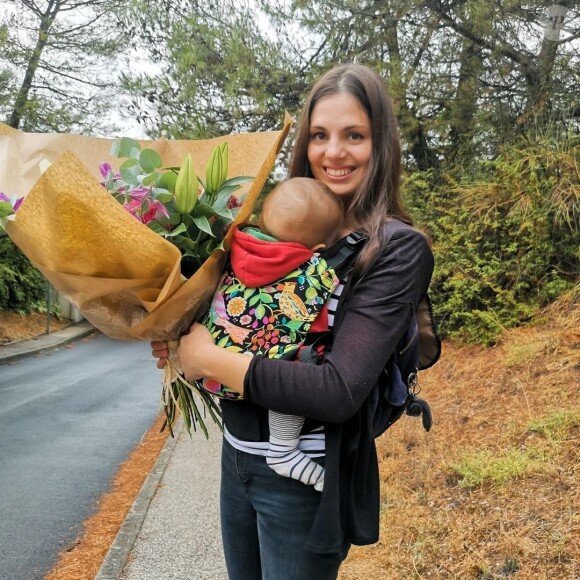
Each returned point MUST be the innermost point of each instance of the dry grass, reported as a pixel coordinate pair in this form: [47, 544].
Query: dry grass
[515, 404]
[509, 417]
[84, 559]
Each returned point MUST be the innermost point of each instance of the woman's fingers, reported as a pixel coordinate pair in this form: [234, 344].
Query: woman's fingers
[159, 350]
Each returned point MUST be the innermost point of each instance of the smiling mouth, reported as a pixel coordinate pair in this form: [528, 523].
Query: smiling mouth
[338, 172]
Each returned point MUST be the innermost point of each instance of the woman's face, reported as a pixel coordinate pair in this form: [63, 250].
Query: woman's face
[340, 145]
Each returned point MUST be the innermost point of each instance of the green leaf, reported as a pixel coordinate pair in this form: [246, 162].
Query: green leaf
[180, 229]
[126, 147]
[225, 213]
[5, 209]
[218, 227]
[149, 160]
[207, 248]
[148, 179]
[174, 218]
[224, 195]
[202, 223]
[203, 210]
[130, 171]
[167, 181]
[162, 196]
[222, 199]
[236, 181]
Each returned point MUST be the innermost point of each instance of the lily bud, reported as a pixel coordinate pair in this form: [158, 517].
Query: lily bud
[186, 187]
[216, 171]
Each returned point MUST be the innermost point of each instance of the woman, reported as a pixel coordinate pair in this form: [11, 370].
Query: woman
[275, 527]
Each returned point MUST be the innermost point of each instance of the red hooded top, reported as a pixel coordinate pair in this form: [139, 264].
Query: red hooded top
[259, 262]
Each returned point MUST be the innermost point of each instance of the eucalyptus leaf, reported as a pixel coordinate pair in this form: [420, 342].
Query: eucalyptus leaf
[150, 160]
[130, 171]
[126, 147]
[163, 197]
[148, 179]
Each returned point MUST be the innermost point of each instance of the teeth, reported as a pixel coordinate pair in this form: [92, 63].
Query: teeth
[337, 172]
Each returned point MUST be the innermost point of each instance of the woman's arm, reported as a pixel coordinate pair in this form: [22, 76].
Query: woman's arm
[377, 314]
[200, 358]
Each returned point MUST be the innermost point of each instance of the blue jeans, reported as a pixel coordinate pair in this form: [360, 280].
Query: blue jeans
[265, 520]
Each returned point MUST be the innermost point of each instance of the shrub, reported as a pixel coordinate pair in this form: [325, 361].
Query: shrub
[505, 239]
[22, 286]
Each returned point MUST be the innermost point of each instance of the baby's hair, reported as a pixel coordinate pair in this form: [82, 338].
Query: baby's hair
[304, 210]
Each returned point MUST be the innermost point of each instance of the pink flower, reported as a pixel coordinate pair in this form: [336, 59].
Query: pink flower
[155, 211]
[139, 193]
[146, 211]
[134, 208]
[106, 170]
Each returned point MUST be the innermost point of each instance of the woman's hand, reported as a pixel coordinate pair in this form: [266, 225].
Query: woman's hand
[160, 350]
[194, 352]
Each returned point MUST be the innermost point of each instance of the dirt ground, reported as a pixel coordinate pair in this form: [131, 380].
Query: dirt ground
[15, 327]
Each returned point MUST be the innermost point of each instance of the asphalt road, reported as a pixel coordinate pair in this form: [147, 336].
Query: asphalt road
[68, 419]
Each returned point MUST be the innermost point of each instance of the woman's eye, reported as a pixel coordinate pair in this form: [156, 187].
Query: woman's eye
[355, 136]
[317, 136]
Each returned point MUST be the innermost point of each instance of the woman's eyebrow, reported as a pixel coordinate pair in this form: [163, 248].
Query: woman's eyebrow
[349, 128]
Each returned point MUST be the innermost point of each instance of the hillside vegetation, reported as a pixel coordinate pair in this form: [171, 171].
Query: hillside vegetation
[492, 491]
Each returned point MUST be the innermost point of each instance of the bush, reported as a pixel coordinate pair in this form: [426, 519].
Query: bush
[505, 239]
[22, 286]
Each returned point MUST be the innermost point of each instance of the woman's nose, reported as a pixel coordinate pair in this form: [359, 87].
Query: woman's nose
[334, 149]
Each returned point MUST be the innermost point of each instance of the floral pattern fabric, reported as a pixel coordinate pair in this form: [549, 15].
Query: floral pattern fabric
[270, 320]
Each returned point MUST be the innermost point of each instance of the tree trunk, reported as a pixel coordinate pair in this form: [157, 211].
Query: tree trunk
[465, 105]
[21, 101]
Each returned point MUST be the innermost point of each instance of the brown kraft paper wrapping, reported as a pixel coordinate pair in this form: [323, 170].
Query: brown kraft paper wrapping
[122, 277]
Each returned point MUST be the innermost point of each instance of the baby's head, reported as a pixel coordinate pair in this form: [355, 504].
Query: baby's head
[302, 210]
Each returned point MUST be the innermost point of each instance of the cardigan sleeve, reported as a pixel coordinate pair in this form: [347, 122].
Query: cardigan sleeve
[376, 314]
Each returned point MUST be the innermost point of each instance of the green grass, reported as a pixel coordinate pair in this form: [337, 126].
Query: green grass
[557, 426]
[476, 468]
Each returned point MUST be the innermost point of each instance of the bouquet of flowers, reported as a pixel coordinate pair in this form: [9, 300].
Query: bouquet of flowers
[147, 267]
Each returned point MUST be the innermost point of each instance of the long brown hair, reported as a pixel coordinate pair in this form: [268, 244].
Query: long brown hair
[378, 196]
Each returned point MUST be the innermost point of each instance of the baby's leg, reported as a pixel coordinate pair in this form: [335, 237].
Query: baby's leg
[284, 457]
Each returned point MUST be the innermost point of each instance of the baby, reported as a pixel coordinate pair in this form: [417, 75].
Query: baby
[274, 294]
